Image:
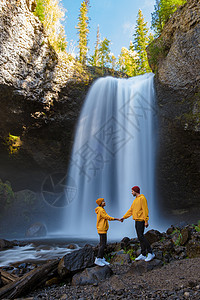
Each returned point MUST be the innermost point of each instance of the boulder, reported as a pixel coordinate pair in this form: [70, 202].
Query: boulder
[92, 275]
[186, 235]
[140, 267]
[193, 246]
[125, 242]
[120, 258]
[153, 236]
[76, 261]
[4, 244]
[36, 230]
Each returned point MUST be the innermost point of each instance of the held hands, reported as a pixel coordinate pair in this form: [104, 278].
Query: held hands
[120, 220]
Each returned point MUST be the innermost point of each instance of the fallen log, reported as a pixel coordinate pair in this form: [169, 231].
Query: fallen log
[7, 277]
[29, 281]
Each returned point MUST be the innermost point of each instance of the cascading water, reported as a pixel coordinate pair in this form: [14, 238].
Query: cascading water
[114, 149]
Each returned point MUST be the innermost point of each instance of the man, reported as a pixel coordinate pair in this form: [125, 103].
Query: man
[139, 212]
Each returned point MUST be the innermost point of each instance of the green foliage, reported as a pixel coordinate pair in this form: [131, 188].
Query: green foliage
[163, 10]
[197, 227]
[6, 195]
[13, 143]
[104, 53]
[141, 41]
[94, 60]
[157, 51]
[83, 31]
[179, 238]
[40, 10]
[128, 60]
[131, 253]
[51, 13]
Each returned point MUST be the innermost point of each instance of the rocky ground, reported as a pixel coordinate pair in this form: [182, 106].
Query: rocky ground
[176, 280]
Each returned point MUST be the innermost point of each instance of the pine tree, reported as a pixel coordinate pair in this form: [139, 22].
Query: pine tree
[94, 59]
[104, 53]
[140, 42]
[163, 10]
[83, 32]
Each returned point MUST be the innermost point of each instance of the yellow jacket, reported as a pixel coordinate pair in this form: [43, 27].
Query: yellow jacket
[102, 219]
[138, 209]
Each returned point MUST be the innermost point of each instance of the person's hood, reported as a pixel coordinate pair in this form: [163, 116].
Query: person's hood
[97, 209]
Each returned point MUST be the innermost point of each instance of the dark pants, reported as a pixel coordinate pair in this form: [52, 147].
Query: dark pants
[103, 241]
[145, 246]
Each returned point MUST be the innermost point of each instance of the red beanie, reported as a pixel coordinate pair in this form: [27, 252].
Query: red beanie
[136, 189]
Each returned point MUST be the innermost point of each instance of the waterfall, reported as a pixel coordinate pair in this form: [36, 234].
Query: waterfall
[114, 149]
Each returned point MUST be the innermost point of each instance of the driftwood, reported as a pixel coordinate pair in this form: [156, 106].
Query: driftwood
[7, 277]
[29, 281]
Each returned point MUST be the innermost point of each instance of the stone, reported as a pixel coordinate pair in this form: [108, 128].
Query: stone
[125, 242]
[36, 230]
[153, 236]
[4, 244]
[177, 81]
[193, 248]
[76, 261]
[141, 267]
[92, 275]
[120, 258]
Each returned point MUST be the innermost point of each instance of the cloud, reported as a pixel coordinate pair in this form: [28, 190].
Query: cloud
[128, 28]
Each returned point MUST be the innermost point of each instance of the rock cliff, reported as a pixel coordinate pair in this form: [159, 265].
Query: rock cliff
[175, 57]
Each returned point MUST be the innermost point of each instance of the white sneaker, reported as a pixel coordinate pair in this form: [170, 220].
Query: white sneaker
[99, 262]
[105, 262]
[150, 256]
[141, 257]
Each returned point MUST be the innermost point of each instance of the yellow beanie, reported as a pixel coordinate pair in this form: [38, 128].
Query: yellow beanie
[99, 200]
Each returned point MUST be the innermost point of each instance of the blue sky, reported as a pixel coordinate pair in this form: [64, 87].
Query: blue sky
[116, 20]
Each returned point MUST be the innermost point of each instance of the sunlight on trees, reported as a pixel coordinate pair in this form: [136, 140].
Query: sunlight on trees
[163, 10]
[83, 32]
[51, 14]
[141, 41]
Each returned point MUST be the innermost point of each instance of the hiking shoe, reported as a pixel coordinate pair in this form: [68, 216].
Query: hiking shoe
[105, 262]
[99, 262]
[141, 257]
[150, 256]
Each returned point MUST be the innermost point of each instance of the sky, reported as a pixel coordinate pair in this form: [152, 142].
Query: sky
[116, 20]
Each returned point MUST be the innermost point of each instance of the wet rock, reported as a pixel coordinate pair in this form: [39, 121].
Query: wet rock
[71, 246]
[4, 244]
[141, 267]
[153, 236]
[92, 275]
[76, 261]
[125, 242]
[36, 230]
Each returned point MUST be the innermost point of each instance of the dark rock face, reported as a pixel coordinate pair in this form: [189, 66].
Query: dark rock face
[176, 57]
[76, 261]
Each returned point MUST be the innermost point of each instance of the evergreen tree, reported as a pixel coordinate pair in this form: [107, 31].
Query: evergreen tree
[94, 59]
[83, 32]
[51, 13]
[104, 53]
[128, 60]
[163, 10]
[140, 42]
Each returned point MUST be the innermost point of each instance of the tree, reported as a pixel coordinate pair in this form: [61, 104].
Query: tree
[51, 13]
[104, 53]
[163, 10]
[94, 59]
[140, 42]
[128, 60]
[83, 32]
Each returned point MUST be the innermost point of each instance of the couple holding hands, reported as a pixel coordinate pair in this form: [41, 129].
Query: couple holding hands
[139, 212]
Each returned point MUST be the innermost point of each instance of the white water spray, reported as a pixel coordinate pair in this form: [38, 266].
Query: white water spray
[114, 149]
